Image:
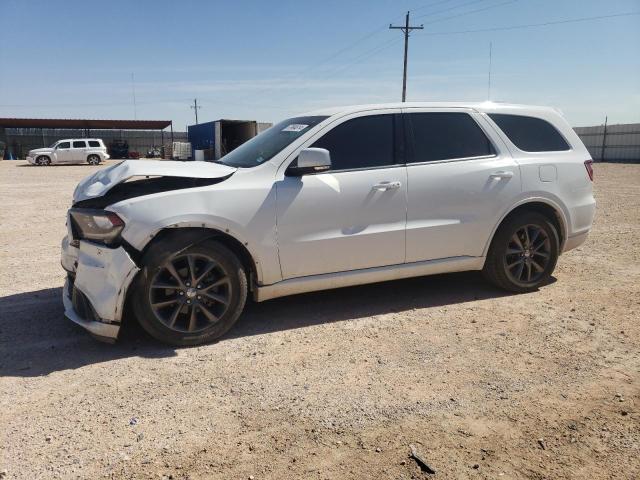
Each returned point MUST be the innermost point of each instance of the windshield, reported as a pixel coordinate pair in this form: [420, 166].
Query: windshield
[54, 144]
[264, 146]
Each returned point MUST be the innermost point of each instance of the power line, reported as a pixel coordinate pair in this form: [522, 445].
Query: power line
[427, 5]
[532, 25]
[469, 12]
[331, 72]
[453, 7]
[314, 66]
[407, 29]
[360, 58]
[353, 62]
[387, 45]
[383, 46]
[350, 46]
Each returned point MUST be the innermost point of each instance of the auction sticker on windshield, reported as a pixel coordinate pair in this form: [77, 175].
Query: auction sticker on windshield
[294, 127]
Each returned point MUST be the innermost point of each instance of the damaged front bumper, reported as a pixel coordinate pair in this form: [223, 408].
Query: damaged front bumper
[97, 282]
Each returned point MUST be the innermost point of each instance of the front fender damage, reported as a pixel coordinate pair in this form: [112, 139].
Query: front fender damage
[102, 276]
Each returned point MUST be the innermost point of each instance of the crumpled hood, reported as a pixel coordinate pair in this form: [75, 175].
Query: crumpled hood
[99, 183]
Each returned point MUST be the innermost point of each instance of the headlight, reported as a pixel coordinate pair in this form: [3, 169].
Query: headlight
[97, 225]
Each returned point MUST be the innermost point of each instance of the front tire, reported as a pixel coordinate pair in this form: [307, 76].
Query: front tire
[93, 160]
[43, 160]
[523, 253]
[192, 296]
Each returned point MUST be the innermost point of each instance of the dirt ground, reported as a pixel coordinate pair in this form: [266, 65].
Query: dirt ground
[331, 385]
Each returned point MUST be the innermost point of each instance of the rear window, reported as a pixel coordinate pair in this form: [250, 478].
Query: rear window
[79, 145]
[445, 136]
[93, 143]
[530, 134]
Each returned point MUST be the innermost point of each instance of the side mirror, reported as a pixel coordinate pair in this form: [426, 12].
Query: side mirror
[310, 160]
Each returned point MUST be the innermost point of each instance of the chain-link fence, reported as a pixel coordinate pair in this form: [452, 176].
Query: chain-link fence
[606, 143]
[20, 140]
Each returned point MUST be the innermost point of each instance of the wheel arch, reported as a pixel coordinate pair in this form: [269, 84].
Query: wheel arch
[186, 237]
[544, 206]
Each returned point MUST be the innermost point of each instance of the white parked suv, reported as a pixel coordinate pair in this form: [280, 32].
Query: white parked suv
[73, 150]
[332, 198]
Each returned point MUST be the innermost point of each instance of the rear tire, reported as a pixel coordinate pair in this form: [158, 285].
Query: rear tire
[43, 160]
[192, 296]
[93, 160]
[523, 253]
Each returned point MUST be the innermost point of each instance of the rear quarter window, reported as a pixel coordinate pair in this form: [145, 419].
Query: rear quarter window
[530, 134]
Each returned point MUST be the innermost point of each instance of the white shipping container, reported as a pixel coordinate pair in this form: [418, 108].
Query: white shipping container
[181, 150]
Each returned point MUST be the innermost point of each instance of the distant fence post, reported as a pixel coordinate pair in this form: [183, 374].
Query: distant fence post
[604, 139]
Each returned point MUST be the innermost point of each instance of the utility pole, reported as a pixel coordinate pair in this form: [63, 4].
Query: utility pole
[406, 30]
[133, 89]
[604, 139]
[489, 83]
[195, 107]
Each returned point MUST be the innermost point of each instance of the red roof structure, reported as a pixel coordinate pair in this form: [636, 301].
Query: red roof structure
[84, 124]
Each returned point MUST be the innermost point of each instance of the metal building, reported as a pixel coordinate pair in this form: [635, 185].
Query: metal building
[23, 134]
[612, 143]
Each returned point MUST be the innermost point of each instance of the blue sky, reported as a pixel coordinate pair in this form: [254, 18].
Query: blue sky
[267, 60]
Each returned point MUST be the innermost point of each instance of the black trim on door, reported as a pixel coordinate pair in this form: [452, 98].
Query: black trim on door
[399, 143]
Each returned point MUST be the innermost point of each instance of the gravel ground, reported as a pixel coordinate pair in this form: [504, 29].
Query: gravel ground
[332, 385]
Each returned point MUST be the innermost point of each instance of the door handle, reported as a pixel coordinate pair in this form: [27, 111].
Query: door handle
[502, 174]
[384, 186]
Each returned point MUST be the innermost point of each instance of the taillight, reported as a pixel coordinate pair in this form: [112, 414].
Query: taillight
[588, 164]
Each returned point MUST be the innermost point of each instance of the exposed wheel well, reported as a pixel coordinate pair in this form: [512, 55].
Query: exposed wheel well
[544, 209]
[192, 236]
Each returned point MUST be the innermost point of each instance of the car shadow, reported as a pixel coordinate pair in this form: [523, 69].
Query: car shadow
[36, 339]
[363, 301]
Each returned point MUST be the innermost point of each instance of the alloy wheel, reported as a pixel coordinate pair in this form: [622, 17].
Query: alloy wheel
[190, 292]
[528, 254]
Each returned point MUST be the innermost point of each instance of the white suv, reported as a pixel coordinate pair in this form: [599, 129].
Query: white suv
[73, 150]
[333, 198]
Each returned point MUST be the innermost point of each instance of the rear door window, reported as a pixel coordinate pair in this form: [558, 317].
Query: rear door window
[530, 134]
[363, 142]
[79, 144]
[434, 136]
[94, 143]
